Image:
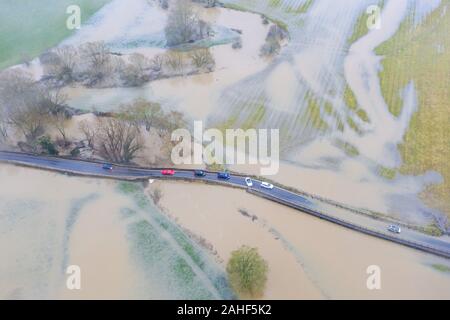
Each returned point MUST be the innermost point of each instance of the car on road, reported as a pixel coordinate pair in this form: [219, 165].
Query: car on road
[267, 185]
[248, 182]
[168, 172]
[107, 166]
[199, 173]
[395, 229]
[223, 175]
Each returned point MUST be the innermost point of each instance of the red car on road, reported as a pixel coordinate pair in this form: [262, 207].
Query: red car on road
[168, 172]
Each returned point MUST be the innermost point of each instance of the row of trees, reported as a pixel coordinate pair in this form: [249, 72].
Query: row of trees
[93, 64]
[32, 110]
[119, 138]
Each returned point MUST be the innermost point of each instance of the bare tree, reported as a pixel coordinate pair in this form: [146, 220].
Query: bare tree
[141, 62]
[184, 25]
[88, 131]
[97, 53]
[157, 63]
[30, 120]
[24, 103]
[175, 61]
[118, 140]
[61, 62]
[202, 58]
[59, 121]
[3, 122]
[99, 61]
[135, 73]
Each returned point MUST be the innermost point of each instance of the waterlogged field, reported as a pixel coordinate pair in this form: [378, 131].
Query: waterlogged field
[421, 53]
[30, 27]
[361, 113]
[363, 116]
[125, 247]
[336, 92]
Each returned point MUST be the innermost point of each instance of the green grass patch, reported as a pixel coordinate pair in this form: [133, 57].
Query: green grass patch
[347, 147]
[352, 104]
[314, 116]
[255, 117]
[29, 27]
[441, 268]
[128, 187]
[387, 173]
[302, 8]
[432, 230]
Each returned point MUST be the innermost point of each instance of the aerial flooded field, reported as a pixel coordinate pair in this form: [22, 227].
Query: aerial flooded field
[125, 246]
[362, 112]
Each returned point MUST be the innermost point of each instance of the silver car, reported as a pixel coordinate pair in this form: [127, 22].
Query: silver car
[248, 182]
[267, 185]
[395, 229]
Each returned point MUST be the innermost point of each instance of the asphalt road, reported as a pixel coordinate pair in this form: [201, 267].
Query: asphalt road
[367, 225]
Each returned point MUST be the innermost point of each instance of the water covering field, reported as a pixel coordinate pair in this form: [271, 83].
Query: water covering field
[352, 106]
[363, 115]
[125, 247]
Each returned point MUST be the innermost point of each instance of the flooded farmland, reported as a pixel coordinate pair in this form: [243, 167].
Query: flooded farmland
[323, 93]
[363, 115]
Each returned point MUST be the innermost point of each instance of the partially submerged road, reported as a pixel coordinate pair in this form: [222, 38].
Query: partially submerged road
[378, 228]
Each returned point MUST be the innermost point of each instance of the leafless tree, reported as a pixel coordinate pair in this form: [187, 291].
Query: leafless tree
[118, 140]
[184, 25]
[99, 62]
[24, 103]
[59, 122]
[135, 73]
[175, 61]
[64, 62]
[141, 62]
[202, 58]
[30, 120]
[3, 123]
[157, 63]
[97, 53]
[88, 131]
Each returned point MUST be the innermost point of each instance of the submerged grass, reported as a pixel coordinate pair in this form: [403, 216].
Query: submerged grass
[422, 54]
[152, 244]
[441, 268]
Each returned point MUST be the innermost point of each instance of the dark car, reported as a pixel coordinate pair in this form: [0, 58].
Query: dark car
[223, 175]
[199, 173]
[107, 166]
